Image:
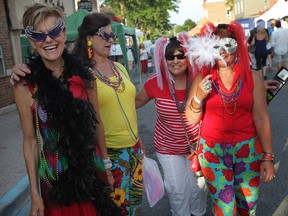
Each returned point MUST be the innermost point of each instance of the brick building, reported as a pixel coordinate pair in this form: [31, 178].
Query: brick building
[11, 12]
[6, 58]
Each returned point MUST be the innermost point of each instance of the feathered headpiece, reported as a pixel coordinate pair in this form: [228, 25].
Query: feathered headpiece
[200, 50]
[203, 55]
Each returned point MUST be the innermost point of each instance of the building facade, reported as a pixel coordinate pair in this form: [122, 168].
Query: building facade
[217, 12]
[11, 12]
[250, 8]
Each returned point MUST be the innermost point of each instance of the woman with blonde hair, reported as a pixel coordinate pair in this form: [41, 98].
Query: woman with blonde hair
[56, 102]
[261, 39]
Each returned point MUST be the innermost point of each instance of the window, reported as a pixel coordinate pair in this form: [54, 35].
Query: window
[2, 65]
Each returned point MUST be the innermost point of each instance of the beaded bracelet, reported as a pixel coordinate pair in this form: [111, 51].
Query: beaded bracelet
[267, 157]
[107, 163]
[264, 153]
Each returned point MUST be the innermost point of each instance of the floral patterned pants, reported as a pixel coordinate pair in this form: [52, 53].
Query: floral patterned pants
[127, 173]
[232, 175]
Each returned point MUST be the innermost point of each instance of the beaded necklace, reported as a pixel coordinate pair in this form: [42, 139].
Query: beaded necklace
[229, 96]
[115, 85]
[47, 172]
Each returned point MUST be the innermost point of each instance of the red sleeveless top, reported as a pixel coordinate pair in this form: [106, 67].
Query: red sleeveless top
[220, 126]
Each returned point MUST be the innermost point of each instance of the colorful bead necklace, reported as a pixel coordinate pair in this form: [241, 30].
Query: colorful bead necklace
[229, 96]
[115, 85]
[47, 172]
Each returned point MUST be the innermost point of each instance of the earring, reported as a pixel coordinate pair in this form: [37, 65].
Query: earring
[89, 49]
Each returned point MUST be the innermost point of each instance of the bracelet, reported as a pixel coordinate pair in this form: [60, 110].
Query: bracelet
[107, 163]
[106, 160]
[197, 100]
[266, 160]
[194, 109]
[268, 154]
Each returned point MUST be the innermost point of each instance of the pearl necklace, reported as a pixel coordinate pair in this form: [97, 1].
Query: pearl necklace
[114, 84]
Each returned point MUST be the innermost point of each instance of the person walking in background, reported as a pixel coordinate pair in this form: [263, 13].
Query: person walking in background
[231, 102]
[173, 133]
[269, 48]
[261, 39]
[271, 29]
[56, 104]
[143, 59]
[152, 48]
[116, 100]
[279, 43]
[251, 48]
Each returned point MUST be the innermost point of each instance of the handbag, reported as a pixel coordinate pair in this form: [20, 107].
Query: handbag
[252, 48]
[195, 164]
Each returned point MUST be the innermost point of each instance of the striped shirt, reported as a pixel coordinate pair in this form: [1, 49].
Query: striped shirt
[169, 134]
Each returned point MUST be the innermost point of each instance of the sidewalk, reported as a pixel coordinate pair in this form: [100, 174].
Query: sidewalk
[13, 183]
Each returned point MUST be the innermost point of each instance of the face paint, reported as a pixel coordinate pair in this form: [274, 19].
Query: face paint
[41, 36]
[104, 35]
[228, 44]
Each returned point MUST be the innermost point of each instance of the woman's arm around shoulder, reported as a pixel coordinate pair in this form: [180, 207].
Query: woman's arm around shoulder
[261, 121]
[141, 98]
[24, 101]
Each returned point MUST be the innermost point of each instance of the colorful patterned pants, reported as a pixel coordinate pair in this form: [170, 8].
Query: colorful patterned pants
[127, 173]
[232, 175]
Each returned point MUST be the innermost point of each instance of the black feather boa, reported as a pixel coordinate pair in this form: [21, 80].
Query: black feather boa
[75, 121]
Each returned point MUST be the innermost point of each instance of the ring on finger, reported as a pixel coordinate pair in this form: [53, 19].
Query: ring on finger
[207, 86]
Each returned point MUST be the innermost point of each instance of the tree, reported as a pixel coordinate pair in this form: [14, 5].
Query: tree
[150, 16]
[230, 4]
[187, 26]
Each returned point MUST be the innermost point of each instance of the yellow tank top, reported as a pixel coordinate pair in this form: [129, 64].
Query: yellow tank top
[117, 111]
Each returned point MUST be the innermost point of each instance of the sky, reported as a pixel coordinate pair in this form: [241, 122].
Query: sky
[188, 9]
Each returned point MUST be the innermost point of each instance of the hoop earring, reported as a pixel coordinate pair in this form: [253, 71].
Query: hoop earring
[89, 49]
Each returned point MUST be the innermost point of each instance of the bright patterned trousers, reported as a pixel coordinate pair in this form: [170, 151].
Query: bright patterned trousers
[232, 174]
[127, 173]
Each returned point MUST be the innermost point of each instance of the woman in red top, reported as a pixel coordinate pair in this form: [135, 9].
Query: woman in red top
[231, 100]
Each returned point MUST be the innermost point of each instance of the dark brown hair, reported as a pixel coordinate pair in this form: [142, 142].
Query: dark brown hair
[172, 46]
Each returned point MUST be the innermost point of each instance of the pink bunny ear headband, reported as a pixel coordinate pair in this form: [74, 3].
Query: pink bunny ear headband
[161, 68]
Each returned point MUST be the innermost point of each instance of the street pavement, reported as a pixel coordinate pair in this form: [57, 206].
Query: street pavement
[273, 200]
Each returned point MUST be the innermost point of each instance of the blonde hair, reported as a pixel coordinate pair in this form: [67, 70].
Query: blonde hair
[262, 31]
[38, 13]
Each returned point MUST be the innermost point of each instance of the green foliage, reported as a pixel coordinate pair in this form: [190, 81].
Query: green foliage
[229, 3]
[187, 26]
[150, 16]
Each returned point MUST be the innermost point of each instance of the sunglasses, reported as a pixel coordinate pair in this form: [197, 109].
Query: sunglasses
[172, 57]
[104, 35]
[41, 36]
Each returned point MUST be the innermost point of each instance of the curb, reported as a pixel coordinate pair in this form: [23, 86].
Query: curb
[15, 197]
[7, 109]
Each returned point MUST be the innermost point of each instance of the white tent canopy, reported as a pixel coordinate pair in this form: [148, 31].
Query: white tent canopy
[277, 12]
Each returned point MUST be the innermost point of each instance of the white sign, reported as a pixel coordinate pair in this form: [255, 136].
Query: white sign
[116, 50]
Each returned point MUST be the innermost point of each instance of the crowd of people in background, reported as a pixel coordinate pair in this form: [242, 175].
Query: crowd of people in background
[268, 46]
